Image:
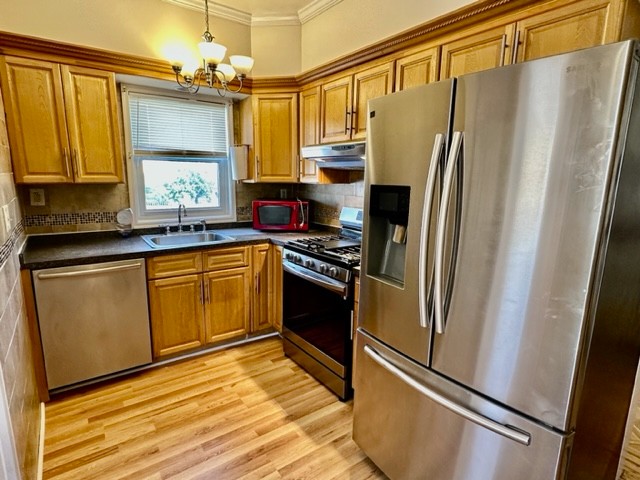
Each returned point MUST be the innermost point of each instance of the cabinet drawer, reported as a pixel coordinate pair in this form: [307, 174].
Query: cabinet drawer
[224, 258]
[172, 265]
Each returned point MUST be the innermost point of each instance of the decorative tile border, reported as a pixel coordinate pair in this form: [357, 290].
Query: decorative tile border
[69, 219]
[243, 213]
[7, 247]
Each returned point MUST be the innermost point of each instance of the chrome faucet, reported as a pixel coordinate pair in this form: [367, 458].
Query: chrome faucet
[182, 212]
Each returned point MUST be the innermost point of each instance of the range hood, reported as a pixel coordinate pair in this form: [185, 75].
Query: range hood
[345, 156]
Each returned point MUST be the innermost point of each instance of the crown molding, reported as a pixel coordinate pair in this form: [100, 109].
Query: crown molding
[315, 8]
[275, 21]
[306, 13]
[215, 9]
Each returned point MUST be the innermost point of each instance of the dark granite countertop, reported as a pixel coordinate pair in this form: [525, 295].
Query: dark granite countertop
[59, 250]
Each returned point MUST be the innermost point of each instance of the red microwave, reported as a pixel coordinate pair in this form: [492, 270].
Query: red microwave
[283, 215]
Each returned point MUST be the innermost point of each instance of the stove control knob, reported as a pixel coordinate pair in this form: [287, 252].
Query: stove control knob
[333, 271]
[323, 268]
[297, 259]
[309, 263]
[288, 256]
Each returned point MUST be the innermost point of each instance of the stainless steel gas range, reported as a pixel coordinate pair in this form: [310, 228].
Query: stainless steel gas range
[318, 302]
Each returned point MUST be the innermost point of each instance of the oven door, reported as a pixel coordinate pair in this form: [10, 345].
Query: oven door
[317, 326]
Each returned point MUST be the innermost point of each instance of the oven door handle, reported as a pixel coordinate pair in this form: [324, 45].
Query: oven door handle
[328, 283]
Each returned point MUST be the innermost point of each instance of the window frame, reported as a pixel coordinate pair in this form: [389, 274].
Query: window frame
[143, 217]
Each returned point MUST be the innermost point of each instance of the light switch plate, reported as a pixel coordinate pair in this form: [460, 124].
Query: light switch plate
[36, 197]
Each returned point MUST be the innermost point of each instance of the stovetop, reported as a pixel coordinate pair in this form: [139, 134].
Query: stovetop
[332, 248]
[329, 255]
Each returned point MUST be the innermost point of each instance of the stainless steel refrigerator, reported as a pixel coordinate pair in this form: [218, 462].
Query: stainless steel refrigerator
[499, 327]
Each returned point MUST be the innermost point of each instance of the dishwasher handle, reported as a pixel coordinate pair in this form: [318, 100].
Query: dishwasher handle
[93, 271]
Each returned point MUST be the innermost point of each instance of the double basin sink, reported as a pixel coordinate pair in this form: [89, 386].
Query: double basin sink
[184, 239]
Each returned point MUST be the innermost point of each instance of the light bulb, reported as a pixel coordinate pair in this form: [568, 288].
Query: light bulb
[227, 70]
[242, 64]
[212, 52]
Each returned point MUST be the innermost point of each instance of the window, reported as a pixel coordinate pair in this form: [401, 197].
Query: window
[178, 151]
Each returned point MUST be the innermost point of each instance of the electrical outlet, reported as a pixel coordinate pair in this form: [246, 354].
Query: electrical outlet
[36, 197]
[6, 214]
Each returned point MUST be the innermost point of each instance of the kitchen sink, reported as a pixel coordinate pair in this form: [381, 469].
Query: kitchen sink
[183, 239]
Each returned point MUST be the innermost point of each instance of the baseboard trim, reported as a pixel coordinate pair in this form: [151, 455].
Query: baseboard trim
[41, 443]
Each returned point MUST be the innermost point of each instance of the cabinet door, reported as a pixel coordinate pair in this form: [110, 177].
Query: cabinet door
[368, 84]
[276, 137]
[176, 306]
[276, 282]
[416, 68]
[476, 52]
[335, 110]
[309, 131]
[93, 125]
[227, 299]
[261, 313]
[34, 104]
[572, 27]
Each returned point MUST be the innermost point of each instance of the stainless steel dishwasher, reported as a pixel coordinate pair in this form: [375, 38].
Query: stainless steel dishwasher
[93, 320]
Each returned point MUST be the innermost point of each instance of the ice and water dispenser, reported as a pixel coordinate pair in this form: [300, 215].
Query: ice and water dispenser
[388, 217]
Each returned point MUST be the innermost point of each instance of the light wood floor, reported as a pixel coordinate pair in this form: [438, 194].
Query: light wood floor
[247, 412]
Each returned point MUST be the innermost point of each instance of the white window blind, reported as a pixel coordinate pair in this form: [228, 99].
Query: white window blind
[163, 124]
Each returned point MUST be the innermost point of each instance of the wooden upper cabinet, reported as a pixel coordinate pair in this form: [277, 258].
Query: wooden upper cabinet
[93, 124]
[368, 84]
[415, 68]
[63, 122]
[34, 105]
[476, 52]
[335, 110]
[309, 130]
[275, 131]
[571, 27]
[343, 114]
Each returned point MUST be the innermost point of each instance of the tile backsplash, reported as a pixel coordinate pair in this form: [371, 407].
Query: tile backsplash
[75, 208]
[17, 370]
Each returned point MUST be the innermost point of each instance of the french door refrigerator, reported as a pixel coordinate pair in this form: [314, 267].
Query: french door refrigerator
[499, 328]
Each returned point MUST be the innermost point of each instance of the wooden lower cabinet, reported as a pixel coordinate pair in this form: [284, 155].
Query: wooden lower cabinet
[227, 300]
[276, 282]
[262, 312]
[175, 307]
[201, 298]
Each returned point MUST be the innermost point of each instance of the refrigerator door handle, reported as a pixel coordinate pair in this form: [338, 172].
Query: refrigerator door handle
[507, 431]
[424, 232]
[438, 301]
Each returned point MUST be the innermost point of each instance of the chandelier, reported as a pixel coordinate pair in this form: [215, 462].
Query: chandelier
[212, 72]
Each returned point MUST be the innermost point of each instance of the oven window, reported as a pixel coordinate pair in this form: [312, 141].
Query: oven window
[320, 317]
[274, 215]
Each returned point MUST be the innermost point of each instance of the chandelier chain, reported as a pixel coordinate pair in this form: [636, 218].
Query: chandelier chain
[206, 15]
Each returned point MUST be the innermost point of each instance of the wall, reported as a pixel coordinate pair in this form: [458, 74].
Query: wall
[81, 208]
[140, 27]
[354, 24]
[144, 27]
[15, 347]
[277, 51]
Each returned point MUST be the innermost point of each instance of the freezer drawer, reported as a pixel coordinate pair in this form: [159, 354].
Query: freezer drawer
[423, 426]
[93, 320]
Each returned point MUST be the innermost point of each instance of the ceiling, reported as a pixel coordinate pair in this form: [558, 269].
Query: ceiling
[261, 12]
